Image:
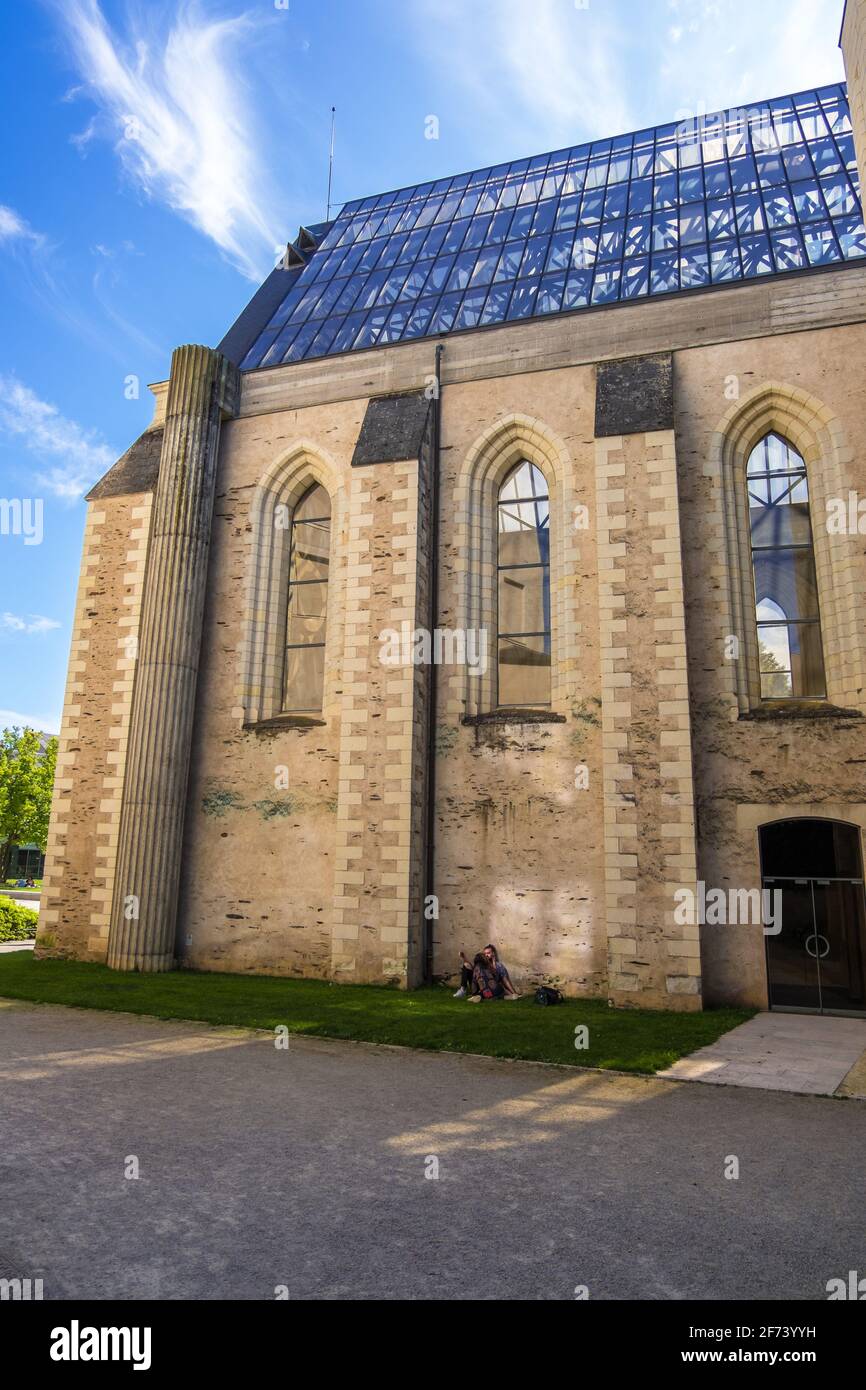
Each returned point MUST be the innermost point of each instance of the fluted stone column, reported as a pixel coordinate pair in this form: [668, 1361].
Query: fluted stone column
[203, 389]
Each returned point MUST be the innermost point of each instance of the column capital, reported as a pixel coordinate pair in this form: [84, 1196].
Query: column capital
[198, 370]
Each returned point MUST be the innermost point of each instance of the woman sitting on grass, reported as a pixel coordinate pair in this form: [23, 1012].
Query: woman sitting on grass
[485, 982]
[491, 965]
[485, 977]
[500, 971]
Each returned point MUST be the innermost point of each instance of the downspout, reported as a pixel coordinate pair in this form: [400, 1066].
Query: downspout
[430, 817]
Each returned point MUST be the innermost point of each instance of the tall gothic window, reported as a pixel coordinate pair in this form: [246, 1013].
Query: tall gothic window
[524, 588]
[783, 564]
[304, 670]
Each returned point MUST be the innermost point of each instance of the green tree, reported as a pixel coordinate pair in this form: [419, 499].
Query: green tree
[27, 764]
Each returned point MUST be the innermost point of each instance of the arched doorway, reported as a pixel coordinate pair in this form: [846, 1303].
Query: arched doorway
[816, 962]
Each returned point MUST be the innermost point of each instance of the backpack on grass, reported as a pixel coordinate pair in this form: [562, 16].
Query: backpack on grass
[545, 995]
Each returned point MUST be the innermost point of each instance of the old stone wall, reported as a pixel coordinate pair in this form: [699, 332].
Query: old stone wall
[519, 839]
[749, 769]
[261, 836]
[85, 812]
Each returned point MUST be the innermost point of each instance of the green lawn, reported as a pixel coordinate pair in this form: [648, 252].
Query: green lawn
[626, 1040]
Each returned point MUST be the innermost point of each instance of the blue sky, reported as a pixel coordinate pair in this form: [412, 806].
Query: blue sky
[158, 154]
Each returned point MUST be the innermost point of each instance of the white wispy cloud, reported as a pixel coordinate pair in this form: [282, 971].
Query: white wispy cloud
[548, 73]
[171, 92]
[30, 624]
[82, 456]
[15, 228]
[542, 71]
[14, 719]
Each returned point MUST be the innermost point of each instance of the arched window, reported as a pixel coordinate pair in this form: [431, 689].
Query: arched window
[524, 588]
[783, 563]
[304, 669]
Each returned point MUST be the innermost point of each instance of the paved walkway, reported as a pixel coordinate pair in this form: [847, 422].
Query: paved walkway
[807, 1053]
[17, 945]
[309, 1168]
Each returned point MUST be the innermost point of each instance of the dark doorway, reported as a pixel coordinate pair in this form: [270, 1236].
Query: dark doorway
[816, 962]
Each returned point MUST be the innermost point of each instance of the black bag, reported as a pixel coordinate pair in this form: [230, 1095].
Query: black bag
[545, 995]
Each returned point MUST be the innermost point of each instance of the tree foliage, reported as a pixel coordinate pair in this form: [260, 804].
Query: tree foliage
[27, 764]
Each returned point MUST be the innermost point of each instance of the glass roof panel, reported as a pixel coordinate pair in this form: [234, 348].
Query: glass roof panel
[766, 190]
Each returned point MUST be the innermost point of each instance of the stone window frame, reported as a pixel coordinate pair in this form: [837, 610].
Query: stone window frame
[262, 652]
[487, 463]
[816, 433]
[506, 567]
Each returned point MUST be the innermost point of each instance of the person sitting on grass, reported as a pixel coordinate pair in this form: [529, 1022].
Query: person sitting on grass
[465, 978]
[485, 982]
[500, 971]
[493, 963]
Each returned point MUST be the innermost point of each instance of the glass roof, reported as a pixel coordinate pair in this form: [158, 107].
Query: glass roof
[757, 191]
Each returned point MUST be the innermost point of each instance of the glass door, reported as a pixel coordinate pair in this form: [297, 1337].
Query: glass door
[817, 962]
[792, 968]
[839, 944]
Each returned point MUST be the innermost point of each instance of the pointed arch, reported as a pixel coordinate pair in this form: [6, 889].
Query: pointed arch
[491, 457]
[281, 487]
[815, 432]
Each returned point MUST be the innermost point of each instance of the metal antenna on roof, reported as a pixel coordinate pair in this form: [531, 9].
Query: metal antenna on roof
[331, 160]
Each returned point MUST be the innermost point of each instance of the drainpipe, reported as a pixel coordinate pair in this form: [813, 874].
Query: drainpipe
[430, 818]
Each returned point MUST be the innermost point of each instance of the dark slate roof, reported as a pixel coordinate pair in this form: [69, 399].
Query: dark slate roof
[135, 471]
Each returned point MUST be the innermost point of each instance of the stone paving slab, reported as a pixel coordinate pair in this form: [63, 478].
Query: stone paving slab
[805, 1053]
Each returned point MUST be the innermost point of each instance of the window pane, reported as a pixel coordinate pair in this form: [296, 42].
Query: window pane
[787, 578]
[807, 661]
[635, 278]
[781, 523]
[774, 647]
[314, 505]
[306, 623]
[524, 671]
[523, 537]
[523, 600]
[305, 679]
[694, 269]
[792, 664]
[524, 481]
[310, 546]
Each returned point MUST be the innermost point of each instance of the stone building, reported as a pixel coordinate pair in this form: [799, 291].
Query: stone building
[500, 575]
